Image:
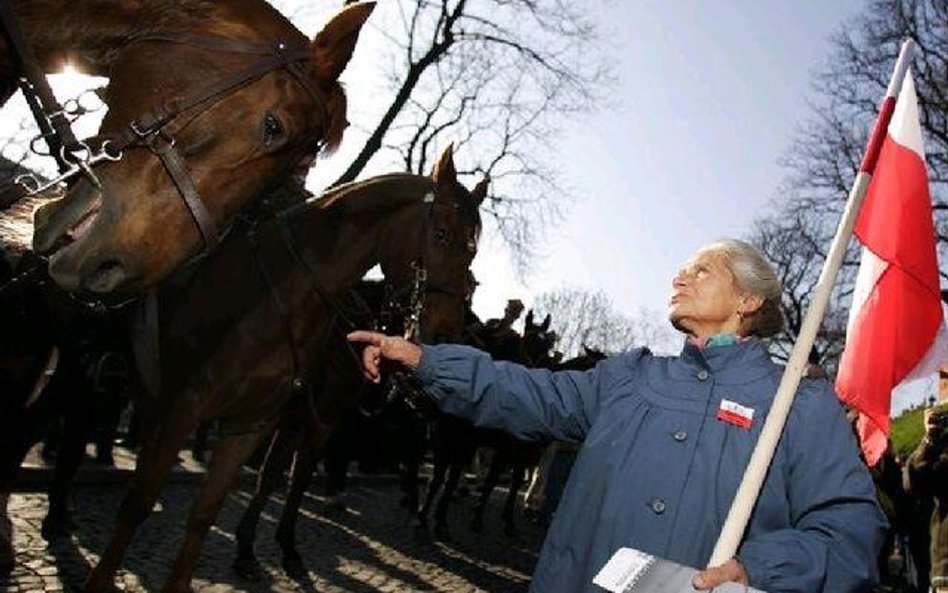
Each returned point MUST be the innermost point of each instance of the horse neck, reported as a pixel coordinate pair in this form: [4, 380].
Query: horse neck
[360, 226]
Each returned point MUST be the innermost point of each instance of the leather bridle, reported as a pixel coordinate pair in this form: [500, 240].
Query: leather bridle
[155, 130]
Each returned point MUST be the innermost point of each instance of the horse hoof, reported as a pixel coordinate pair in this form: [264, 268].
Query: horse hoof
[477, 525]
[408, 503]
[7, 555]
[441, 533]
[248, 568]
[97, 584]
[335, 504]
[293, 566]
[56, 527]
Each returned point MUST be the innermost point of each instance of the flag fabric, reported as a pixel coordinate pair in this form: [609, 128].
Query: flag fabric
[896, 332]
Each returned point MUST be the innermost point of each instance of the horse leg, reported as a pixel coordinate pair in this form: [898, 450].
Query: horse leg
[516, 482]
[415, 452]
[199, 444]
[72, 449]
[226, 460]
[303, 467]
[279, 453]
[7, 554]
[437, 480]
[455, 470]
[497, 465]
[410, 483]
[14, 446]
[157, 456]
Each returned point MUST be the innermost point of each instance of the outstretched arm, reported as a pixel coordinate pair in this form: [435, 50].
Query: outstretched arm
[529, 403]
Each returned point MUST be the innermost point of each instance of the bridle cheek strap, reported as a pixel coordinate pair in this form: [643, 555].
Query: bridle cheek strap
[164, 150]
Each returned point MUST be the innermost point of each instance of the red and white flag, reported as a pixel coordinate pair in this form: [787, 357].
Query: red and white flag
[896, 332]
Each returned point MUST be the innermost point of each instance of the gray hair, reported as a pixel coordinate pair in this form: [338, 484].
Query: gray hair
[754, 274]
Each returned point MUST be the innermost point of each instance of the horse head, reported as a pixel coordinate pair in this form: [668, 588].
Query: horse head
[538, 341]
[206, 115]
[439, 245]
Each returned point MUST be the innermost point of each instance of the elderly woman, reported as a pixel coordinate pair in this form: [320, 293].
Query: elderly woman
[666, 441]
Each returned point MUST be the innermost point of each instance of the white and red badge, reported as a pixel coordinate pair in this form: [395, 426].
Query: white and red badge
[736, 414]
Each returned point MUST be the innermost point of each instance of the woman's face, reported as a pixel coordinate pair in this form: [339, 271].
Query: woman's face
[706, 299]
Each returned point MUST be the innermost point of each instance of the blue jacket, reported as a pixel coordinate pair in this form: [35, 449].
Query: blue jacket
[658, 470]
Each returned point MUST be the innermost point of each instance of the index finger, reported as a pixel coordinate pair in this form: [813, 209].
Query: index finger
[365, 337]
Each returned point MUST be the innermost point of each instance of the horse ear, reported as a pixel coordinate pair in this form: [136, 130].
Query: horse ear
[480, 191]
[444, 171]
[333, 46]
[546, 323]
[529, 322]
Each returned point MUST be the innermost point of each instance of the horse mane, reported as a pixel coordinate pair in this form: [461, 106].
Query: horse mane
[387, 191]
[391, 188]
[336, 107]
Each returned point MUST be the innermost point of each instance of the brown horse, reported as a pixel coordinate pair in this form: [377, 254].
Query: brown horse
[209, 104]
[257, 321]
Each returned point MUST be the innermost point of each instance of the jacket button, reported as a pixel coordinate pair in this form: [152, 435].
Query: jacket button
[680, 436]
[657, 506]
[703, 375]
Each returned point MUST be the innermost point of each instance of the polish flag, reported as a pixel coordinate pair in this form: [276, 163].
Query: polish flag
[896, 333]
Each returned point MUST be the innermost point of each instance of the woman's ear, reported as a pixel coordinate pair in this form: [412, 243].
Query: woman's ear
[749, 304]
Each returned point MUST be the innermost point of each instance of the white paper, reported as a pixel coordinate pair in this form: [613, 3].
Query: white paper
[622, 570]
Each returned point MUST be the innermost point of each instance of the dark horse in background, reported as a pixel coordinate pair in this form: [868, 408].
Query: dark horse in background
[431, 221]
[455, 440]
[252, 328]
[162, 58]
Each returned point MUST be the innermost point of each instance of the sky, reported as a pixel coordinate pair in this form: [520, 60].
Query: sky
[708, 97]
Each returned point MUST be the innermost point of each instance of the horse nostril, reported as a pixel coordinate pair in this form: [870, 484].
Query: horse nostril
[107, 276]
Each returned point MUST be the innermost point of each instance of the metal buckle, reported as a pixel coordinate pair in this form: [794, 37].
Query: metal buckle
[81, 165]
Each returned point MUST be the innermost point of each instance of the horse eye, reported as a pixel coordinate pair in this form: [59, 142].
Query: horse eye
[442, 236]
[272, 130]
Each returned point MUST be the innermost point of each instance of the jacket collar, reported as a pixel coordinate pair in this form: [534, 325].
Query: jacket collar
[746, 354]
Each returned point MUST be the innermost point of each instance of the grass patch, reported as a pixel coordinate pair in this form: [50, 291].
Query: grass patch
[906, 431]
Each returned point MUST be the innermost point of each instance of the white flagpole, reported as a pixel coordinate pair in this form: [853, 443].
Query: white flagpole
[746, 496]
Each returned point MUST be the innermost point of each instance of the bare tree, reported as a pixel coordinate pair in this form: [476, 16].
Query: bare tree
[584, 318]
[495, 77]
[824, 158]
[796, 241]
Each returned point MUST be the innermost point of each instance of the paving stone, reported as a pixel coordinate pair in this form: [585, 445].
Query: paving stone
[372, 546]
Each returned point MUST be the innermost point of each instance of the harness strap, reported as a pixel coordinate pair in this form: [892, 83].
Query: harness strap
[173, 164]
[47, 111]
[153, 120]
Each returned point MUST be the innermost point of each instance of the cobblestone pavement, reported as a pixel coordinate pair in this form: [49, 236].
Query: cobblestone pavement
[371, 546]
